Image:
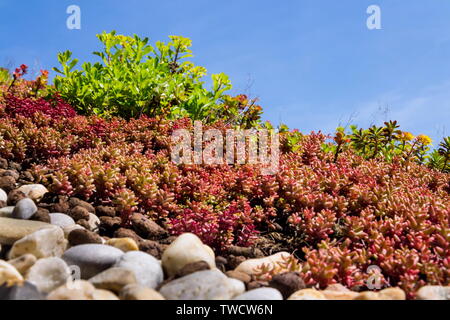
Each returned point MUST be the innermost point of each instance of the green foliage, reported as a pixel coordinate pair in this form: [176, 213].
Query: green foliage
[135, 78]
[440, 159]
[5, 76]
[385, 142]
[378, 141]
[14, 83]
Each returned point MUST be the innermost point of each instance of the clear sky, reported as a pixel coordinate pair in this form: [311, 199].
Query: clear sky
[313, 64]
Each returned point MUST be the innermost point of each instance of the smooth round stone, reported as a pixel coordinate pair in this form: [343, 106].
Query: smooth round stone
[33, 191]
[186, 249]
[250, 266]
[12, 230]
[367, 295]
[8, 274]
[100, 294]
[24, 291]
[3, 195]
[48, 274]
[6, 212]
[307, 294]
[260, 294]
[392, 294]
[24, 209]
[92, 258]
[73, 290]
[113, 279]
[124, 244]
[82, 236]
[203, 285]
[93, 222]
[146, 268]
[23, 263]
[339, 292]
[49, 242]
[61, 220]
[137, 292]
[287, 283]
[339, 295]
[69, 229]
[434, 293]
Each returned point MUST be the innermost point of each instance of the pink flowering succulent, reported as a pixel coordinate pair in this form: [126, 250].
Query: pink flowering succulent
[340, 215]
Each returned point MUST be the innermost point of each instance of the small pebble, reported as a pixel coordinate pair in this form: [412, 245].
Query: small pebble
[6, 212]
[242, 276]
[136, 292]
[146, 268]
[433, 293]
[24, 209]
[287, 283]
[193, 267]
[203, 285]
[83, 236]
[73, 202]
[92, 258]
[79, 213]
[61, 220]
[74, 290]
[100, 294]
[113, 279]
[24, 291]
[251, 266]
[124, 244]
[41, 215]
[14, 197]
[8, 274]
[3, 195]
[48, 274]
[12, 230]
[42, 244]
[307, 294]
[260, 294]
[23, 263]
[187, 248]
[33, 191]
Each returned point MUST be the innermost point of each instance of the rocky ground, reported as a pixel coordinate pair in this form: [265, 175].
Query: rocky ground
[47, 241]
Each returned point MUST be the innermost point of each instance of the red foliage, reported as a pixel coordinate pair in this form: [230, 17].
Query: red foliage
[54, 108]
[343, 216]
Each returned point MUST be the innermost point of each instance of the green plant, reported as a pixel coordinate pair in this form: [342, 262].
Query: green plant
[135, 78]
[440, 159]
[340, 139]
[14, 83]
[5, 77]
[386, 142]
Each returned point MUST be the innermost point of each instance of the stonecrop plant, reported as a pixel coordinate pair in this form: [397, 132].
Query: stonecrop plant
[14, 83]
[339, 217]
[342, 204]
[134, 78]
[388, 142]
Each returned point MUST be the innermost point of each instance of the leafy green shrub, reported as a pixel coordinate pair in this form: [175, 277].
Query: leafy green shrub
[135, 78]
[5, 77]
[440, 158]
[386, 142]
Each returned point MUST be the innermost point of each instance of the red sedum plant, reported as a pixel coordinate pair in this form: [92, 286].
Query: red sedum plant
[339, 214]
[55, 108]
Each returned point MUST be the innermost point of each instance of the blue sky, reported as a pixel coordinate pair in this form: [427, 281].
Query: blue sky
[312, 63]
